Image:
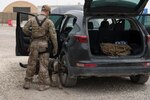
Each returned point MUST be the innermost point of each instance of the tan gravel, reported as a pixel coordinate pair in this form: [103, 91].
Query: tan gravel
[12, 78]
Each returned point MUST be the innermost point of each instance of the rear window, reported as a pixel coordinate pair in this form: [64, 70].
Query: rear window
[119, 3]
[112, 24]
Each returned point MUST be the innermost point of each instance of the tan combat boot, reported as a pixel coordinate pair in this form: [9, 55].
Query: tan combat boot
[27, 83]
[43, 87]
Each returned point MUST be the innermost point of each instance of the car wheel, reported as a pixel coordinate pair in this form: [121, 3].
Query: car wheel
[140, 79]
[65, 79]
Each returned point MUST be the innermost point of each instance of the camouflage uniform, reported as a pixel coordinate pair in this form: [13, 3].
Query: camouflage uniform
[38, 47]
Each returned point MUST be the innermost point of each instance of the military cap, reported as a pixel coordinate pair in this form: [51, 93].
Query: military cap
[46, 8]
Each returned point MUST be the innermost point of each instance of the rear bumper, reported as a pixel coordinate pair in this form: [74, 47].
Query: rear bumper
[109, 71]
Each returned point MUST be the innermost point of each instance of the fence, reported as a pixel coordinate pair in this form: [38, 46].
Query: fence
[6, 17]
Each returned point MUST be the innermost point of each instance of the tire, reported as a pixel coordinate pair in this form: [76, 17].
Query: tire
[139, 79]
[64, 78]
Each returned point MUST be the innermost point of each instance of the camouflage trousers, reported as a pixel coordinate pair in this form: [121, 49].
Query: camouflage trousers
[43, 74]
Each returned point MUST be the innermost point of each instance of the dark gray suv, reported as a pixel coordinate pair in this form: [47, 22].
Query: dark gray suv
[80, 34]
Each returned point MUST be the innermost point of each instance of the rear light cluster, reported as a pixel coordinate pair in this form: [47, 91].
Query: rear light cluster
[147, 64]
[90, 65]
[81, 38]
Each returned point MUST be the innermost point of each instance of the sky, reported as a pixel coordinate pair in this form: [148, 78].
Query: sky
[4, 3]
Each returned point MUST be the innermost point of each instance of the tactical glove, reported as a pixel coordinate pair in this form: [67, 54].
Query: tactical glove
[54, 52]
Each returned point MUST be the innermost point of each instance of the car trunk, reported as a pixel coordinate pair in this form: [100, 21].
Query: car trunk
[120, 35]
[114, 7]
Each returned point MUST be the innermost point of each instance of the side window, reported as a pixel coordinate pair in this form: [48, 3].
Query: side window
[93, 24]
[106, 24]
[57, 20]
[122, 25]
[127, 25]
[97, 22]
[24, 18]
[75, 29]
[70, 22]
[68, 28]
[69, 25]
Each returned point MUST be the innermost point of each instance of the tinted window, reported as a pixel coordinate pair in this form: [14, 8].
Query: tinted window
[97, 22]
[57, 20]
[118, 24]
[24, 18]
[70, 22]
[75, 29]
[123, 24]
[119, 3]
[127, 25]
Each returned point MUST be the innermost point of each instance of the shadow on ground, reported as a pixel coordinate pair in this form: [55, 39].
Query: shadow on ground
[108, 84]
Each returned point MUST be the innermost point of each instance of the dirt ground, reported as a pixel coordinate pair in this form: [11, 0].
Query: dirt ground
[12, 78]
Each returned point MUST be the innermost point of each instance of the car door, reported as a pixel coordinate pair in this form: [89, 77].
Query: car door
[23, 41]
[70, 28]
[114, 7]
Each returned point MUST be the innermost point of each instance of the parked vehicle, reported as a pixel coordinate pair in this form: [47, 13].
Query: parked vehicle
[64, 9]
[80, 34]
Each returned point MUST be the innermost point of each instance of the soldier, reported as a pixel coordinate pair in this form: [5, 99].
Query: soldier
[40, 29]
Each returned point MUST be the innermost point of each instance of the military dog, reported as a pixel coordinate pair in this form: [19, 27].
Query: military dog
[54, 68]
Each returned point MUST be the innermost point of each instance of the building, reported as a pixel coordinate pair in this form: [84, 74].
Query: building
[20, 6]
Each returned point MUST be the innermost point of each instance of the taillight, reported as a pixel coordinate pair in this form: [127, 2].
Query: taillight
[90, 65]
[146, 64]
[81, 38]
[148, 38]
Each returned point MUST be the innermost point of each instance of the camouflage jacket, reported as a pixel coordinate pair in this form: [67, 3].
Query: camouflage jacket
[45, 31]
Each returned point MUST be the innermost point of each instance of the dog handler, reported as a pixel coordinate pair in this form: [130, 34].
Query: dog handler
[40, 29]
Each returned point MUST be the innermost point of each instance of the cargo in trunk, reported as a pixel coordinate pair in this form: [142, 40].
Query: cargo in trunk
[114, 37]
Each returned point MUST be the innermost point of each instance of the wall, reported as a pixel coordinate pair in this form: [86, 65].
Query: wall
[9, 8]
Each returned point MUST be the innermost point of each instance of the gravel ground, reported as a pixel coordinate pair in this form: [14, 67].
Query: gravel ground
[12, 78]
